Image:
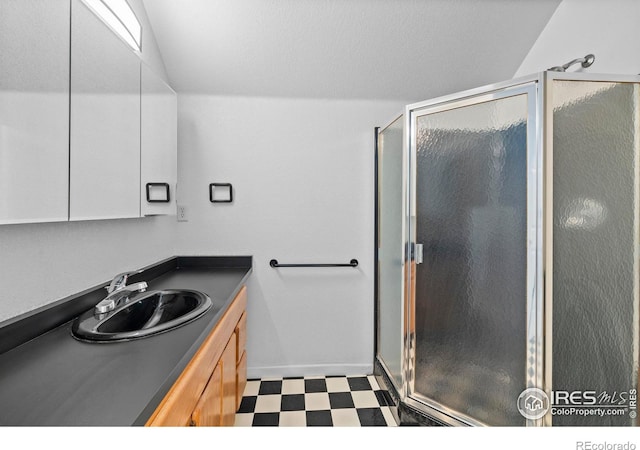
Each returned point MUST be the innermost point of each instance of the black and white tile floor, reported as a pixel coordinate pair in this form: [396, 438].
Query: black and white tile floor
[338, 401]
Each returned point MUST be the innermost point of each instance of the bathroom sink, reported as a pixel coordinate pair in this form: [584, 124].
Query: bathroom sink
[143, 315]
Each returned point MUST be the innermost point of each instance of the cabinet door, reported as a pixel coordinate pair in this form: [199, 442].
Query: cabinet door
[241, 379]
[34, 111]
[228, 360]
[241, 358]
[159, 145]
[105, 121]
[217, 405]
[208, 411]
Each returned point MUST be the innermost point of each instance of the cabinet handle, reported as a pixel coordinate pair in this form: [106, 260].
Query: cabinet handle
[167, 197]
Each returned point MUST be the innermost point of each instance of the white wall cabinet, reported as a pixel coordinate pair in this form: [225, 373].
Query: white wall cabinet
[105, 121]
[84, 124]
[34, 111]
[158, 145]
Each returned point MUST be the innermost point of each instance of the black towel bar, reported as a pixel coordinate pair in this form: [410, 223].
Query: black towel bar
[274, 263]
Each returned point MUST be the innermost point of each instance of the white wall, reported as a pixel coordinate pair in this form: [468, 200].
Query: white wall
[302, 173]
[608, 29]
[42, 263]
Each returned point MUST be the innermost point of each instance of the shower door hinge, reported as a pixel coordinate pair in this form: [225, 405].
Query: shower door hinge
[418, 253]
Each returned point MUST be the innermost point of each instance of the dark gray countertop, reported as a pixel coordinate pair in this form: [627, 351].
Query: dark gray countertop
[56, 380]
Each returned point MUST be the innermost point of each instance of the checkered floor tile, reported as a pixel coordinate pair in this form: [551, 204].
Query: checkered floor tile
[340, 401]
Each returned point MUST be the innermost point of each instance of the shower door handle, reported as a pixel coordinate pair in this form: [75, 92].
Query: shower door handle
[418, 253]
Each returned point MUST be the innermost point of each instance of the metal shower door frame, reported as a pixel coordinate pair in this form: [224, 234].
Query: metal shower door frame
[399, 388]
[534, 365]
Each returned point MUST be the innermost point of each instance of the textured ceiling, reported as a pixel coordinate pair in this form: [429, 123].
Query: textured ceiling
[406, 50]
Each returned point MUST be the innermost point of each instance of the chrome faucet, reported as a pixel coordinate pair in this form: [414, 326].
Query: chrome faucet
[119, 292]
[120, 281]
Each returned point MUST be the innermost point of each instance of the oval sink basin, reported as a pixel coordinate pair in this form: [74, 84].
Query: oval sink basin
[146, 314]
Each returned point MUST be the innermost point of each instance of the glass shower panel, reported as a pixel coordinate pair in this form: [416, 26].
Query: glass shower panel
[390, 249]
[471, 288]
[595, 242]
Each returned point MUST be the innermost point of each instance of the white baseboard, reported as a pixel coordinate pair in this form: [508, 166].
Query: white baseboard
[309, 370]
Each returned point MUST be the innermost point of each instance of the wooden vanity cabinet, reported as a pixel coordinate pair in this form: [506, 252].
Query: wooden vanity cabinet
[206, 393]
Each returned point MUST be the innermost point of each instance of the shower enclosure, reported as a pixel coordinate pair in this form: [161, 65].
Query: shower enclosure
[507, 253]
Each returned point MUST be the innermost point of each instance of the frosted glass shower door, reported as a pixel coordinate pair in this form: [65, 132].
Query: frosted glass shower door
[595, 245]
[472, 199]
[391, 197]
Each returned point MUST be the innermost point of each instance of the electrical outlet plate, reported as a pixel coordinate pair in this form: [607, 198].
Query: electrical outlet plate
[182, 213]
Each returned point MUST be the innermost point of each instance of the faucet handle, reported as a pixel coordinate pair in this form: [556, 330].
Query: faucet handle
[120, 280]
[120, 295]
